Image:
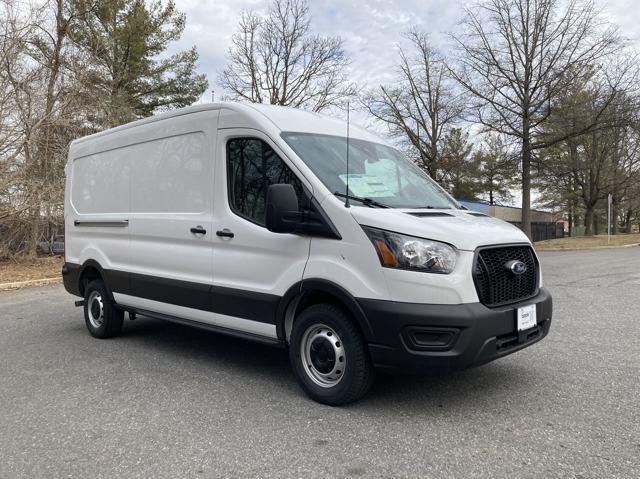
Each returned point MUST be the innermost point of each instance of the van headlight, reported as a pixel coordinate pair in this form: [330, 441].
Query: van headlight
[408, 252]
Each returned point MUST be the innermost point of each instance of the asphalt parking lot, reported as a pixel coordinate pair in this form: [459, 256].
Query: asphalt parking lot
[168, 401]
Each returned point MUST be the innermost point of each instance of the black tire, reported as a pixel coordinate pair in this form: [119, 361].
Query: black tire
[102, 318]
[342, 386]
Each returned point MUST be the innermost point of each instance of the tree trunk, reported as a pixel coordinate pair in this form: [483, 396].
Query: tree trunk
[44, 135]
[570, 207]
[34, 234]
[570, 218]
[526, 180]
[588, 221]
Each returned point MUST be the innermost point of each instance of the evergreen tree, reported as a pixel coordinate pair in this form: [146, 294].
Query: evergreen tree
[497, 170]
[126, 72]
[458, 165]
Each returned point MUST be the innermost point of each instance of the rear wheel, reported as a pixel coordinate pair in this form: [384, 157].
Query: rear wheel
[329, 356]
[102, 318]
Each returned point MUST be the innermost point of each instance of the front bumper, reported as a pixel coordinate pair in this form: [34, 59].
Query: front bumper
[435, 338]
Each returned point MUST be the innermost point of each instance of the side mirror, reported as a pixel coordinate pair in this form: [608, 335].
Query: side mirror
[282, 215]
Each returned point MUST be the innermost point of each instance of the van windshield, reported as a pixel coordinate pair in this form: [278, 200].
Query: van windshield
[378, 174]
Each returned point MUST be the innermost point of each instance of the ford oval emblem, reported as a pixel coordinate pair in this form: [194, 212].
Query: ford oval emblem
[516, 267]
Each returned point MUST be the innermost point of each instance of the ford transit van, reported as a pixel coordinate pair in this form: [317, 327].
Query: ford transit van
[271, 224]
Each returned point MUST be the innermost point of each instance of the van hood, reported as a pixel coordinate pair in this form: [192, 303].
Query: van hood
[466, 230]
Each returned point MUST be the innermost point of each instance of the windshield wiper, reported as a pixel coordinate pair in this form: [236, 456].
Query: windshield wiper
[365, 201]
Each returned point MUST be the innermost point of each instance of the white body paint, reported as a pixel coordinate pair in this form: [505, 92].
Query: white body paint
[124, 174]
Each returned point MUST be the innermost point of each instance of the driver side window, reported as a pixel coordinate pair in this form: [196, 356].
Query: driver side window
[252, 166]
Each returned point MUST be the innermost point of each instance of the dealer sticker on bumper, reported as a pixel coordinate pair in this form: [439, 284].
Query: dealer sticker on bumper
[527, 317]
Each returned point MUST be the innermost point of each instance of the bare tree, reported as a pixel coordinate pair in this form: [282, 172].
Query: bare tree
[46, 99]
[421, 106]
[630, 204]
[581, 170]
[275, 59]
[49, 48]
[625, 160]
[517, 55]
[21, 80]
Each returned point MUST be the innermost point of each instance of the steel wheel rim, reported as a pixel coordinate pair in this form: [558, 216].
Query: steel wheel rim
[323, 355]
[95, 309]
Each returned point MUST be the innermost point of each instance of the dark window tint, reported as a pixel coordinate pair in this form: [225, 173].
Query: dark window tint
[252, 166]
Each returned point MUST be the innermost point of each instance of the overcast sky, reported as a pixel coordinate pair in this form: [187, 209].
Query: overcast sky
[370, 29]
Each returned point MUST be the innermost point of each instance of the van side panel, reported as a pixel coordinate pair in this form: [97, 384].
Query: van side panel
[150, 182]
[97, 201]
[171, 194]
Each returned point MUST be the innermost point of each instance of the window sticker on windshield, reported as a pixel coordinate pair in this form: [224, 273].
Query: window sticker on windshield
[367, 186]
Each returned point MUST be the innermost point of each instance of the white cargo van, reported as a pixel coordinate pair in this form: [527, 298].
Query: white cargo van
[235, 218]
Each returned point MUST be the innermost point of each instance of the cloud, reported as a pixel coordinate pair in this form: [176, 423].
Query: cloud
[210, 26]
[370, 30]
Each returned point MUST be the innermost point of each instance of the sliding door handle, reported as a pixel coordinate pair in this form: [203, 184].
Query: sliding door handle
[225, 233]
[198, 230]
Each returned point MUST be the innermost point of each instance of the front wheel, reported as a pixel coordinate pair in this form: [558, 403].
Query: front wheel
[102, 318]
[329, 356]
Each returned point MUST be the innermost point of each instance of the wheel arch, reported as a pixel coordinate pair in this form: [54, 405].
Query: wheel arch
[90, 271]
[314, 291]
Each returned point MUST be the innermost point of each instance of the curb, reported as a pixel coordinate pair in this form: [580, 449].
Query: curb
[584, 249]
[27, 284]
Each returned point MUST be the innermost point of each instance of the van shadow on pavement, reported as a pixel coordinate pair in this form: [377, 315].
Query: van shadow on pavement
[257, 362]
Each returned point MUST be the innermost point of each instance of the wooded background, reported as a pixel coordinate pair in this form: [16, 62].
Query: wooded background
[535, 95]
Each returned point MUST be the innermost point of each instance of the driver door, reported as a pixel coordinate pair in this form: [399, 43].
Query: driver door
[252, 267]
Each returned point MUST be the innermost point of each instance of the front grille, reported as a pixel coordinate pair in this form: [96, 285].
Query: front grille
[495, 284]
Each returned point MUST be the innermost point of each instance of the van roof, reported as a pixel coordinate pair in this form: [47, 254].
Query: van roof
[281, 117]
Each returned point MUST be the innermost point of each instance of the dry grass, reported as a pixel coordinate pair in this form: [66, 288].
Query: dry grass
[586, 242]
[26, 268]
